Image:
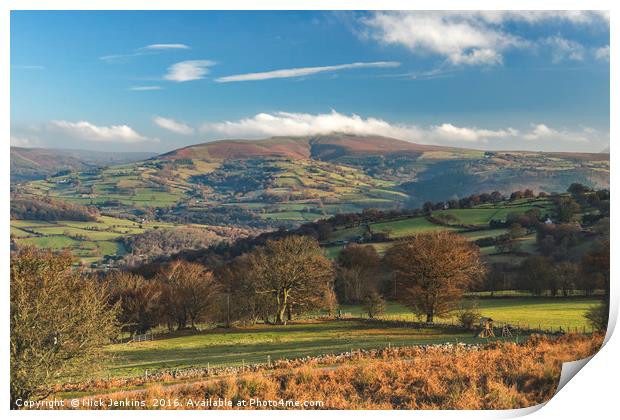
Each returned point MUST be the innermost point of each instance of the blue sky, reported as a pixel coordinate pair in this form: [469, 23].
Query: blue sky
[156, 81]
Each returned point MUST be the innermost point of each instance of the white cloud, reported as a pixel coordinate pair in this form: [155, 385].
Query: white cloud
[146, 50]
[174, 126]
[166, 47]
[469, 37]
[145, 88]
[602, 53]
[299, 124]
[19, 141]
[188, 70]
[539, 137]
[449, 132]
[459, 38]
[84, 130]
[303, 71]
[577, 17]
[564, 49]
[542, 132]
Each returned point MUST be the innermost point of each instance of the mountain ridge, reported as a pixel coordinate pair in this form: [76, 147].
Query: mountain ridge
[30, 163]
[306, 147]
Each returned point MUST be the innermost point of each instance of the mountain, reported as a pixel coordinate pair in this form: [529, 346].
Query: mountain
[288, 180]
[36, 163]
[327, 148]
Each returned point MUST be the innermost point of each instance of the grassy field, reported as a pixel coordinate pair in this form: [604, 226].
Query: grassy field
[408, 227]
[546, 312]
[254, 344]
[89, 241]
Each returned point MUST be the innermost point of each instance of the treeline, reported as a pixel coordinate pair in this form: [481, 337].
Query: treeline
[291, 276]
[50, 210]
[217, 216]
[165, 241]
[322, 230]
[160, 242]
[540, 274]
[272, 283]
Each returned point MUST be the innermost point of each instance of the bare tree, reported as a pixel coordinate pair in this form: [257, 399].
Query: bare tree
[294, 272]
[190, 293]
[60, 323]
[358, 272]
[138, 299]
[433, 270]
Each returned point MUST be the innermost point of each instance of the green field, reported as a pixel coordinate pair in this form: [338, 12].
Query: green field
[89, 241]
[220, 347]
[546, 312]
[408, 227]
[253, 344]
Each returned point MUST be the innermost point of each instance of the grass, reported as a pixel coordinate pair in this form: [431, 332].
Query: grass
[220, 347]
[89, 241]
[486, 233]
[407, 227]
[253, 344]
[498, 376]
[546, 312]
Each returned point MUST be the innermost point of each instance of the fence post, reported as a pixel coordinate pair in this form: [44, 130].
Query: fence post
[269, 360]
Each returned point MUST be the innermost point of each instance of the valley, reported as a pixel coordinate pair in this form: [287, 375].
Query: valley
[256, 186]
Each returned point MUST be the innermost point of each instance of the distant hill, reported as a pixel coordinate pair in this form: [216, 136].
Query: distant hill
[289, 180]
[37, 163]
[327, 148]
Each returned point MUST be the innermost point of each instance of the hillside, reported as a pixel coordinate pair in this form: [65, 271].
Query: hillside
[36, 163]
[327, 148]
[289, 180]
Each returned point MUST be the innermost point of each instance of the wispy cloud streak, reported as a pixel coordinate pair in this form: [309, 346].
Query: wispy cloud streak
[303, 71]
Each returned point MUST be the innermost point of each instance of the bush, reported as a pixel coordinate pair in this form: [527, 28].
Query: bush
[468, 314]
[598, 316]
[373, 304]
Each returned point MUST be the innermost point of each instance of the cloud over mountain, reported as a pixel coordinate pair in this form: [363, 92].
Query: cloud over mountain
[84, 130]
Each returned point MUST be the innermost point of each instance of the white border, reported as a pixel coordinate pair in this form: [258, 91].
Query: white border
[592, 394]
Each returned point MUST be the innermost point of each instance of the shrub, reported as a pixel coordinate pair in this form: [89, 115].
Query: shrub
[468, 314]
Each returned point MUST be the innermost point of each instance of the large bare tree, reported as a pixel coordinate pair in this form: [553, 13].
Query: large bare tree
[294, 272]
[190, 294]
[60, 323]
[358, 272]
[433, 270]
[139, 300]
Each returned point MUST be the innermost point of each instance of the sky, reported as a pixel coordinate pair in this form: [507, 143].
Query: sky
[159, 80]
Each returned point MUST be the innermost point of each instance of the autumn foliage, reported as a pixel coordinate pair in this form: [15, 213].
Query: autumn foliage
[495, 376]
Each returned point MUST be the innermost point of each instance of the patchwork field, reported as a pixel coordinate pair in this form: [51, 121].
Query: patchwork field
[89, 241]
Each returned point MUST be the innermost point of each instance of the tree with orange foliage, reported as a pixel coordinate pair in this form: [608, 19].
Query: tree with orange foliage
[433, 270]
[190, 293]
[294, 272]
